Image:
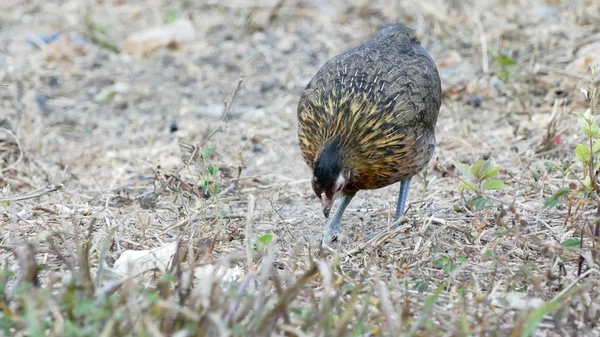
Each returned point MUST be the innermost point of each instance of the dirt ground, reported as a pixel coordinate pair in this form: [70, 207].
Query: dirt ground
[88, 132]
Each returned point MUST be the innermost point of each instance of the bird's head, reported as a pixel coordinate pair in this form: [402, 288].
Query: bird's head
[330, 176]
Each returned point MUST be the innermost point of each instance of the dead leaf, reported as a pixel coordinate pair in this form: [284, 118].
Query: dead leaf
[134, 262]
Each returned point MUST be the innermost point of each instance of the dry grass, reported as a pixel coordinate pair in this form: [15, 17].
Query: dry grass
[90, 171]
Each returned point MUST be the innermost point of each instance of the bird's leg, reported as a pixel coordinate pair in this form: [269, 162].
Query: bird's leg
[332, 228]
[400, 208]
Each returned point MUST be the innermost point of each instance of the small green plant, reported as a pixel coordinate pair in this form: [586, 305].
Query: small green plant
[587, 157]
[479, 179]
[507, 65]
[449, 264]
[208, 183]
[583, 196]
[262, 242]
[169, 16]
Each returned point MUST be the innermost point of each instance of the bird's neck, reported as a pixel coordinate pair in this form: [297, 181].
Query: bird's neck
[330, 162]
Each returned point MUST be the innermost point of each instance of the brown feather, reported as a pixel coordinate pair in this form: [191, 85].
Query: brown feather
[380, 102]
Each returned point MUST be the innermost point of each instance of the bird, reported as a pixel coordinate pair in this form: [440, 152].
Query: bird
[367, 119]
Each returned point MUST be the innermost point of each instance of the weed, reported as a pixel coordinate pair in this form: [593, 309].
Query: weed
[586, 194]
[479, 179]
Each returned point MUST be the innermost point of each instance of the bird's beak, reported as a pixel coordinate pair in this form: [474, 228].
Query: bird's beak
[326, 210]
[327, 203]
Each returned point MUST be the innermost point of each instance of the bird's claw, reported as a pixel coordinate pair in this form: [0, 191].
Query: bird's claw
[329, 237]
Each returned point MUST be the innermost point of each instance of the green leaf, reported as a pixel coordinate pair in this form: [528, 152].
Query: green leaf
[587, 123]
[468, 186]
[555, 166]
[588, 116]
[464, 169]
[571, 168]
[490, 254]
[535, 317]
[105, 95]
[449, 267]
[101, 38]
[596, 146]
[582, 152]
[207, 151]
[536, 175]
[441, 262]
[551, 203]
[477, 169]
[505, 60]
[591, 130]
[262, 242]
[490, 172]
[425, 180]
[493, 184]
[582, 122]
[169, 17]
[238, 329]
[587, 182]
[430, 301]
[479, 202]
[266, 239]
[422, 286]
[571, 243]
[169, 278]
[204, 186]
[214, 188]
[562, 192]
[152, 297]
[213, 169]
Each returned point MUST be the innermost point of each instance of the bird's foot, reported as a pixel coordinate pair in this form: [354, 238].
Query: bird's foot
[331, 232]
[330, 236]
[395, 224]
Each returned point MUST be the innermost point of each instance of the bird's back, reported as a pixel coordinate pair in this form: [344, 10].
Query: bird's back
[380, 100]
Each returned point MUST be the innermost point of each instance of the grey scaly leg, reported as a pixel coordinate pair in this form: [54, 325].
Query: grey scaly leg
[400, 208]
[332, 228]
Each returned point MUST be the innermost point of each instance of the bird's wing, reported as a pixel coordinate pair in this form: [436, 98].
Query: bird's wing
[390, 79]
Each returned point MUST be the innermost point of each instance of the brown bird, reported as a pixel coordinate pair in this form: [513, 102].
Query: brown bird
[367, 120]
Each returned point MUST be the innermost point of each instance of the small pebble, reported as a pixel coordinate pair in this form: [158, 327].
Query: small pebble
[100, 59]
[473, 100]
[148, 201]
[266, 86]
[123, 105]
[173, 127]
[52, 81]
